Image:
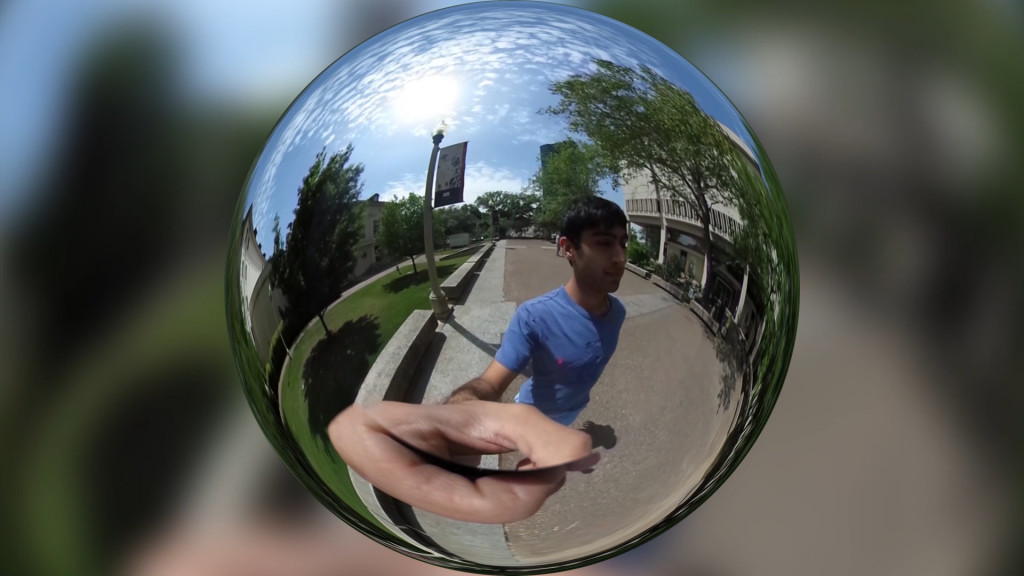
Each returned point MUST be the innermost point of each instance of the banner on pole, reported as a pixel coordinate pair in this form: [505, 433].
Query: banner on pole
[451, 175]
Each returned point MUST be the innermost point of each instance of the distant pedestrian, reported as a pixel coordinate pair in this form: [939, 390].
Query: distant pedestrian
[558, 247]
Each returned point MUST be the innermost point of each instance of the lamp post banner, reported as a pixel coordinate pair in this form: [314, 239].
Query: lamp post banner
[451, 175]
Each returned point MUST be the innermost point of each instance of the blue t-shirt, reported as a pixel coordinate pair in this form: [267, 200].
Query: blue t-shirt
[569, 347]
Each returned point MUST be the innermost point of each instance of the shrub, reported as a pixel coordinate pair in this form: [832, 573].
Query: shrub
[637, 253]
[674, 270]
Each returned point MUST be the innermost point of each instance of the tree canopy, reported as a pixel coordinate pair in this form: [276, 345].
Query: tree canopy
[515, 210]
[572, 172]
[318, 256]
[459, 219]
[643, 125]
[401, 228]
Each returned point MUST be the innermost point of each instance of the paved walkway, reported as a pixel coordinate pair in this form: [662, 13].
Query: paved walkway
[462, 349]
[656, 407]
[659, 421]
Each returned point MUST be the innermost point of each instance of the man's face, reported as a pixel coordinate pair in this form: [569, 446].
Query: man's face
[600, 259]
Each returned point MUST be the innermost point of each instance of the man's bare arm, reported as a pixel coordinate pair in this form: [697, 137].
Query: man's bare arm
[488, 386]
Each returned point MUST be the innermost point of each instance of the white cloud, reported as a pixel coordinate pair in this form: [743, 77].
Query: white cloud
[480, 177]
[351, 101]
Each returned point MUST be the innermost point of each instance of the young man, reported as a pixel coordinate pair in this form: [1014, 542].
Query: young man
[571, 332]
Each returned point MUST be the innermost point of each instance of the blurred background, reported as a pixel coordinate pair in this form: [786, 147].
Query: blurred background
[127, 130]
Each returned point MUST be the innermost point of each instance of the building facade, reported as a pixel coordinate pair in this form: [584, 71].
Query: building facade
[672, 229]
[366, 250]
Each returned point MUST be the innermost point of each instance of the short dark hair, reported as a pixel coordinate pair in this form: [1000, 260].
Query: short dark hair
[589, 213]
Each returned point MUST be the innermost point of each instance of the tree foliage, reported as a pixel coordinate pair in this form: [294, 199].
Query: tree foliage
[401, 228]
[646, 126]
[515, 210]
[572, 172]
[317, 257]
[460, 219]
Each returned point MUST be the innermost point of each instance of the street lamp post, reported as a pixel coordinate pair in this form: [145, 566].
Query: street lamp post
[438, 301]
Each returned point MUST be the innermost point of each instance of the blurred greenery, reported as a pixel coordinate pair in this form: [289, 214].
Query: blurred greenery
[113, 290]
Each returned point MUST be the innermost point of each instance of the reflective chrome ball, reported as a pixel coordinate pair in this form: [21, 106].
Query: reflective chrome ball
[512, 287]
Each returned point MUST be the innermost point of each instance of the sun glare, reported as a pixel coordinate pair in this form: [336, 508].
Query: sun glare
[427, 99]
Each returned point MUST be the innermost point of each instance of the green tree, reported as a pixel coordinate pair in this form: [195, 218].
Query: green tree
[637, 252]
[514, 210]
[318, 256]
[464, 218]
[278, 246]
[523, 211]
[401, 227]
[573, 172]
[645, 125]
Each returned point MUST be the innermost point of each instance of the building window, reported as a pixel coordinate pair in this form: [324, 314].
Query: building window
[376, 228]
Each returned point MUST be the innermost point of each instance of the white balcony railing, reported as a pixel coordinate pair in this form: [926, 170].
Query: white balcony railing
[674, 209]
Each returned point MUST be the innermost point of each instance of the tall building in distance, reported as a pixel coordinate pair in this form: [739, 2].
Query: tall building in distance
[546, 150]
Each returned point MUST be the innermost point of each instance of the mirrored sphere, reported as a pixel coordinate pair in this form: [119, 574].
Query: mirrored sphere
[512, 287]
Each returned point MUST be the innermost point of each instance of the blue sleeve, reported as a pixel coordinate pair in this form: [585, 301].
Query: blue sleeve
[517, 343]
[620, 311]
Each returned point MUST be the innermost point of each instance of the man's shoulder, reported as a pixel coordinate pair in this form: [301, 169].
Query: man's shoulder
[543, 302]
[618, 308]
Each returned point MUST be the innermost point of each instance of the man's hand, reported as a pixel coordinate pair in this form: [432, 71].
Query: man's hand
[488, 386]
[365, 437]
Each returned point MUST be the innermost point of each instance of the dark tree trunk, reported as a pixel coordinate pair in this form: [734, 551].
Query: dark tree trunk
[413, 258]
[705, 217]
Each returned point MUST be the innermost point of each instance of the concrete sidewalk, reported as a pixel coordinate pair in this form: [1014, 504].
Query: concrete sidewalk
[465, 345]
[462, 349]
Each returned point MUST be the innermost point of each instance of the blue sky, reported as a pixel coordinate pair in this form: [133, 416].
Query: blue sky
[244, 55]
[485, 72]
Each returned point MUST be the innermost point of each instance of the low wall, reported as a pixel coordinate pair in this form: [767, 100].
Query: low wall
[389, 379]
[646, 275]
[456, 284]
[471, 248]
[676, 292]
[391, 375]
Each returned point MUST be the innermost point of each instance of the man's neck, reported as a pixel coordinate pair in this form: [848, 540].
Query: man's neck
[593, 302]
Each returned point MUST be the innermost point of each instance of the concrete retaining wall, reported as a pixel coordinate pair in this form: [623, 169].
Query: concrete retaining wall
[389, 379]
[392, 373]
[638, 271]
[675, 291]
[462, 252]
[456, 284]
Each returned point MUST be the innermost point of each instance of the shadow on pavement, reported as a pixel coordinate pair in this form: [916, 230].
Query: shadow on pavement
[601, 435]
[489, 348]
[335, 369]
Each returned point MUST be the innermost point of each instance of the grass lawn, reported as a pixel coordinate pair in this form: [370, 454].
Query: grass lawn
[387, 303]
